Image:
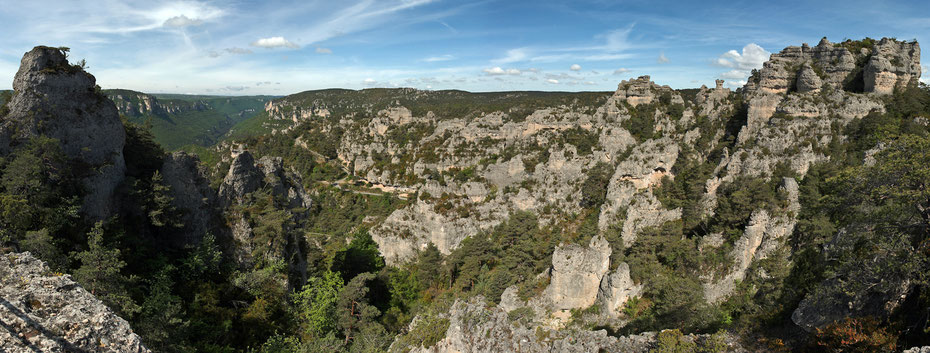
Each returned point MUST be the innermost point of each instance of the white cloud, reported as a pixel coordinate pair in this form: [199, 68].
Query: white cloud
[274, 42]
[497, 70]
[321, 50]
[622, 71]
[741, 64]
[662, 59]
[752, 57]
[553, 81]
[182, 21]
[369, 81]
[575, 67]
[589, 82]
[433, 59]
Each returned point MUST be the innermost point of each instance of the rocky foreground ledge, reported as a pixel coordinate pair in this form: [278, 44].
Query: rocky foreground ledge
[41, 311]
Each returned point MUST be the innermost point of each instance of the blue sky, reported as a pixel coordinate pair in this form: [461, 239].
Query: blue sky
[284, 47]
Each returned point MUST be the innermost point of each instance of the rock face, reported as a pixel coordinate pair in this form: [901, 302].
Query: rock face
[576, 273]
[616, 289]
[45, 312]
[808, 80]
[893, 64]
[764, 234]
[137, 104]
[58, 100]
[191, 195]
[889, 64]
[247, 176]
[475, 328]
[243, 178]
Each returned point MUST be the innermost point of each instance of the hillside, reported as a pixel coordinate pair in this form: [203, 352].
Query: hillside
[788, 215]
[178, 120]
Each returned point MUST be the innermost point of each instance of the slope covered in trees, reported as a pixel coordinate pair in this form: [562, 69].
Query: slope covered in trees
[399, 220]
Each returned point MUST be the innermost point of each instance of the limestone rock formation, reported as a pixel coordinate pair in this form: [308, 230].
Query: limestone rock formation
[41, 311]
[764, 234]
[808, 80]
[247, 176]
[893, 64]
[616, 288]
[924, 349]
[138, 104]
[473, 327]
[576, 274]
[243, 178]
[889, 64]
[61, 101]
[192, 195]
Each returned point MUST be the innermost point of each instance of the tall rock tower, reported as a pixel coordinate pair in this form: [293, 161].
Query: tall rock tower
[61, 101]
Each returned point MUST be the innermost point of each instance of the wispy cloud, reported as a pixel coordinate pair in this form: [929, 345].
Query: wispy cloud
[575, 67]
[662, 59]
[513, 55]
[321, 50]
[622, 71]
[612, 47]
[238, 51]
[182, 21]
[439, 58]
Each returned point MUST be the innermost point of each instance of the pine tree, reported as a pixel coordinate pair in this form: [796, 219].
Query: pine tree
[100, 273]
[160, 207]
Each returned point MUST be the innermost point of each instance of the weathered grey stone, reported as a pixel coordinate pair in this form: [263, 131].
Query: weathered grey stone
[577, 272]
[243, 178]
[808, 81]
[475, 328]
[41, 311]
[893, 65]
[60, 101]
[192, 195]
[616, 289]
[761, 238]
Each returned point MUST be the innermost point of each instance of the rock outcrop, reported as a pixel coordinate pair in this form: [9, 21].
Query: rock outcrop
[576, 275]
[808, 80]
[893, 64]
[61, 101]
[192, 195]
[764, 234]
[243, 178]
[473, 327]
[41, 311]
[616, 288]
